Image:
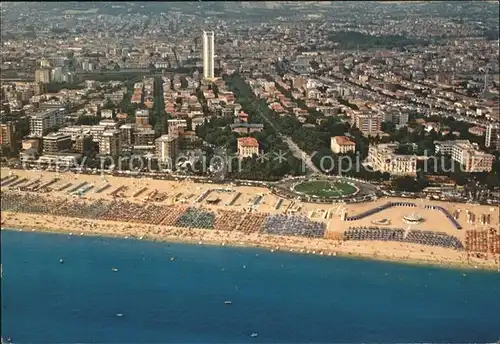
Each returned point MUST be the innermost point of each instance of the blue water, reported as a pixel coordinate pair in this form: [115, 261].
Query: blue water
[283, 297]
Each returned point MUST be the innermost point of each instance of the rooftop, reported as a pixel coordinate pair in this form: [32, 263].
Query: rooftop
[344, 140]
[110, 132]
[55, 135]
[248, 142]
[165, 138]
[46, 112]
[246, 125]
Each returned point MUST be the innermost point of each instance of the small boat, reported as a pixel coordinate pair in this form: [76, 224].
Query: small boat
[61, 261]
[172, 259]
[228, 302]
[253, 335]
[114, 269]
[119, 314]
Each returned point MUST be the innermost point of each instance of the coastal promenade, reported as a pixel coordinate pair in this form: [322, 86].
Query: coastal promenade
[248, 216]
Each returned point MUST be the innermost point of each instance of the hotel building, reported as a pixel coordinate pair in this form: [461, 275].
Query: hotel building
[110, 143]
[342, 145]
[382, 158]
[446, 147]
[247, 147]
[471, 159]
[166, 148]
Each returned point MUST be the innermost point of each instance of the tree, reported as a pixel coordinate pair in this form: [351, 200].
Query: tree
[406, 183]
[459, 177]
[314, 64]
[88, 120]
[388, 127]
[492, 181]
[109, 105]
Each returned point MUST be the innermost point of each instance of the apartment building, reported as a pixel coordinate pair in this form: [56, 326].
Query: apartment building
[56, 143]
[107, 113]
[176, 126]
[145, 137]
[31, 144]
[39, 88]
[142, 118]
[401, 118]
[7, 131]
[110, 143]
[56, 74]
[197, 121]
[42, 122]
[42, 75]
[93, 130]
[492, 137]
[127, 134]
[83, 143]
[368, 124]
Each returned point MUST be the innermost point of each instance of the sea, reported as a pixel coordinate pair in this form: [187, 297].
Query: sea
[176, 293]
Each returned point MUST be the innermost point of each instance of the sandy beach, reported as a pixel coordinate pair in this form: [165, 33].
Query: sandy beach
[234, 219]
[409, 253]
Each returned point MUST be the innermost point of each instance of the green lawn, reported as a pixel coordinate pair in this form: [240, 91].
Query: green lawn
[323, 188]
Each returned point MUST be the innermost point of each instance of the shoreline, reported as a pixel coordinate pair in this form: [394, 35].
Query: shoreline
[12, 221]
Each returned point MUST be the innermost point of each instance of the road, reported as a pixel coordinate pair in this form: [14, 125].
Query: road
[300, 154]
[159, 71]
[120, 71]
[296, 151]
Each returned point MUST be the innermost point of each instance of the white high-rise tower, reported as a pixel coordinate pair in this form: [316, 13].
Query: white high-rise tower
[492, 139]
[208, 54]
